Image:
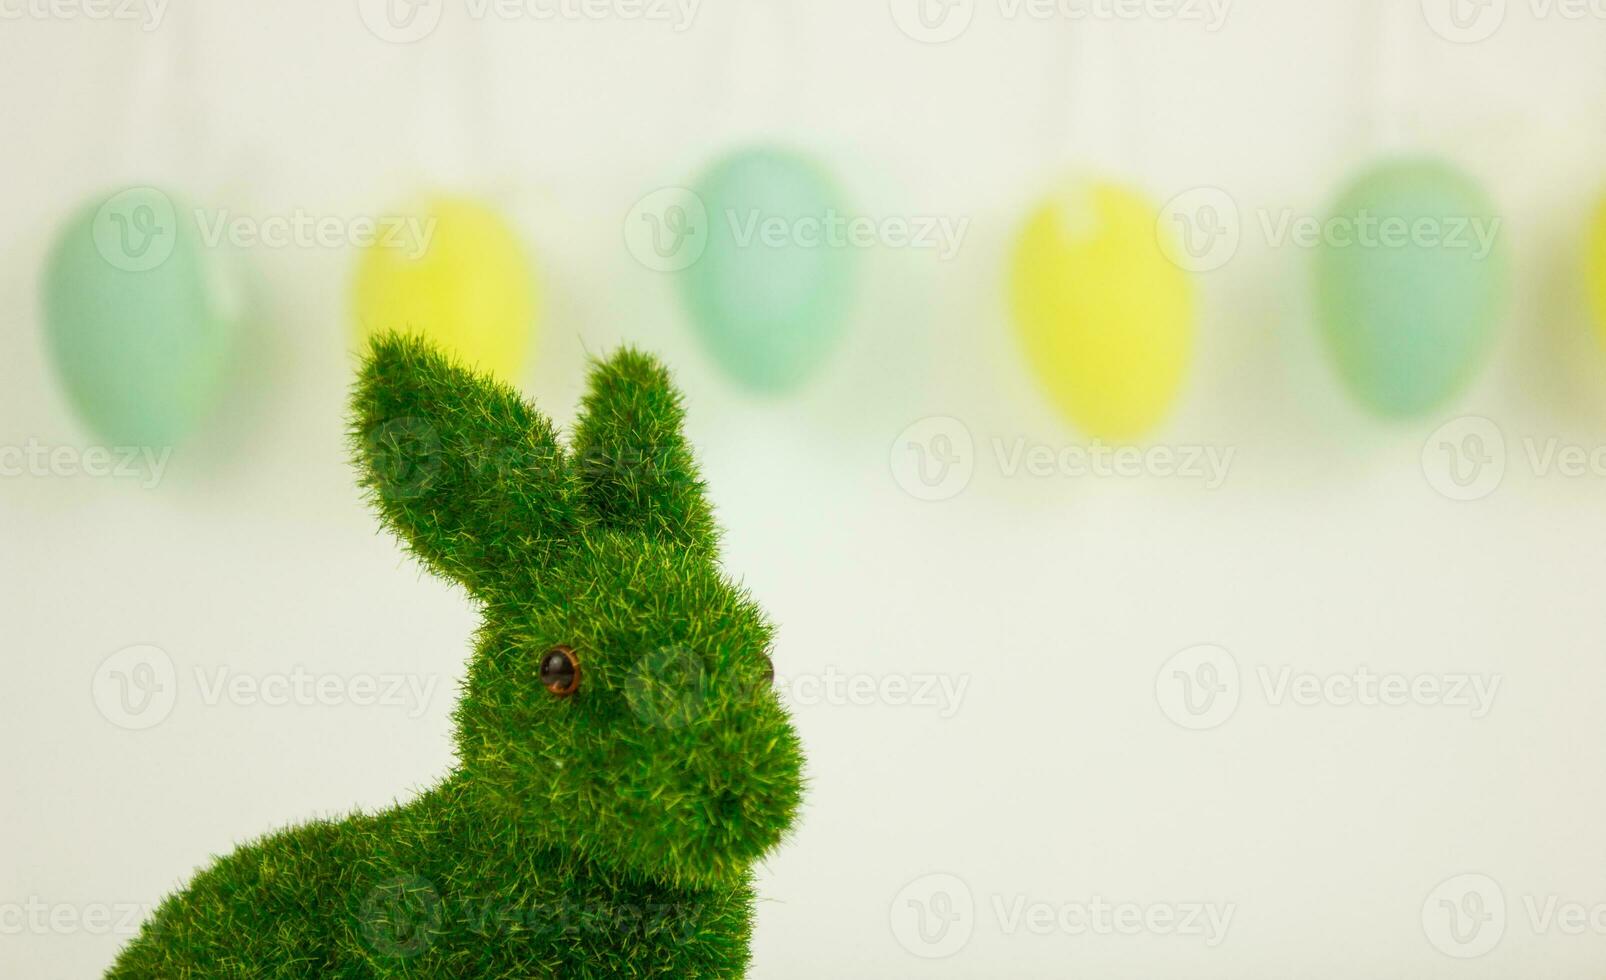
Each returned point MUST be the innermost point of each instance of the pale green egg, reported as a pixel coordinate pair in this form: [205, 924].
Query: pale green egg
[140, 318]
[1412, 279]
[771, 290]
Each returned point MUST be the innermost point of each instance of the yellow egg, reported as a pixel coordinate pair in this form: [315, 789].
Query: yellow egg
[454, 271]
[1597, 269]
[1106, 319]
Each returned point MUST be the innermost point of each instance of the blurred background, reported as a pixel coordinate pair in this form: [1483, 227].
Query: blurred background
[1278, 685]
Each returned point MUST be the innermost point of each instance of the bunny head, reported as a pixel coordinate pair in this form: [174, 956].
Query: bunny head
[619, 704]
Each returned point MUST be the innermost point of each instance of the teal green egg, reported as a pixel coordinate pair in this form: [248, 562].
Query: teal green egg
[1412, 278]
[139, 318]
[771, 291]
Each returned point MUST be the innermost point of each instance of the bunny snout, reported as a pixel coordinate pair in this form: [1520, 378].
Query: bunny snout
[746, 779]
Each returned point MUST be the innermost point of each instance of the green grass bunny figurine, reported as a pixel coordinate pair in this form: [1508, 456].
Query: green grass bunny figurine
[622, 757]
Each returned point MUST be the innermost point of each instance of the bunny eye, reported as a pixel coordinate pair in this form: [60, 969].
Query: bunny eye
[560, 672]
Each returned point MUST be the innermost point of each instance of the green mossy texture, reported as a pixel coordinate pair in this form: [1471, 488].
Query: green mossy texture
[608, 833]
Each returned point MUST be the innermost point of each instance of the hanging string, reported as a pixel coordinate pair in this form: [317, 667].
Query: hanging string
[1098, 131]
[1394, 105]
[164, 127]
[755, 90]
[448, 133]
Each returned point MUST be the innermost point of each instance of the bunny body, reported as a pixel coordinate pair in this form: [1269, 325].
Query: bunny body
[434, 889]
[622, 761]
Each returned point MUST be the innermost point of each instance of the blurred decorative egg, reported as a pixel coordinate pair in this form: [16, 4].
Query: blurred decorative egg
[1411, 284]
[455, 272]
[771, 291]
[140, 318]
[1106, 319]
[1597, 269]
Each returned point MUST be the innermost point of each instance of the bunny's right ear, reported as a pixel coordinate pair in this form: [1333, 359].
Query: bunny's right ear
[634, 461]
[458, 465]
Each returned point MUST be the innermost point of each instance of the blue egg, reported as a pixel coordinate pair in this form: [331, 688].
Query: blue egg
[770, 292]
[138, 318]
[1412, 280]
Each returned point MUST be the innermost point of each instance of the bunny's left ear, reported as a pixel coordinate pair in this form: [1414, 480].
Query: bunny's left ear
[463, 469]
[636, 469]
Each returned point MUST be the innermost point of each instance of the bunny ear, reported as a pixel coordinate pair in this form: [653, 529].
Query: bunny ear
[459, 466]
[636, 468]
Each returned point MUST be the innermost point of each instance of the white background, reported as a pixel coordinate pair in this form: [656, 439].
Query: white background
[1058, 777]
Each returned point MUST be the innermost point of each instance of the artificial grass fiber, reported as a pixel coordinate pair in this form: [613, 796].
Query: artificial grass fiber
[622, 757]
